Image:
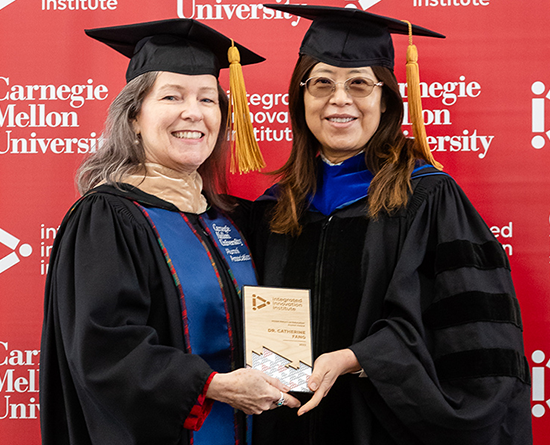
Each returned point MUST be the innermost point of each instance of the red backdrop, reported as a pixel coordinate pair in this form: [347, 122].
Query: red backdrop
[485, 89]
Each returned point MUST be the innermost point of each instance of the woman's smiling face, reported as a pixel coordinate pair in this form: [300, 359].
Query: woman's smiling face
[341, 123]
[180, 120]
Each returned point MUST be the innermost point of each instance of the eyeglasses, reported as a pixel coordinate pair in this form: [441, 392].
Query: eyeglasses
[354, 86]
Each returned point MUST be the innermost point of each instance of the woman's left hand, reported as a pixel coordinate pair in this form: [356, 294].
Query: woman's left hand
[326, 369]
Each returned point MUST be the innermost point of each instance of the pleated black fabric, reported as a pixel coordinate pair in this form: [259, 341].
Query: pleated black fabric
[113, 364]
[425, 300]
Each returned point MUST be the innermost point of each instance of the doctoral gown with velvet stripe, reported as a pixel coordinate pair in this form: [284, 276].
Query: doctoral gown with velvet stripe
[113, 364]
[425, 300]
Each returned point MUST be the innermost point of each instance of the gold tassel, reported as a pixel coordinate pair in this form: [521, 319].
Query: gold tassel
[245, 153]
[415, 102]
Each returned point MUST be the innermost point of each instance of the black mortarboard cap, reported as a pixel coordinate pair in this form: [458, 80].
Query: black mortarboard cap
[186, 46]
[183, 46]
[349, 37]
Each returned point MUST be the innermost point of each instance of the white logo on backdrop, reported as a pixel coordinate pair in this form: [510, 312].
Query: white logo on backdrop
[12, 242]
[538, 114]
[4, 3]
[365, 4]
[79, 5]
[18, 382]
[216, 10]
[538, 383]
[29, 107]
[445, 3]
[228, 11]
[71, 5]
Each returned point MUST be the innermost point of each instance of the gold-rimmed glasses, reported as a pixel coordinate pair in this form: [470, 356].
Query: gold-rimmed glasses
[320, 86]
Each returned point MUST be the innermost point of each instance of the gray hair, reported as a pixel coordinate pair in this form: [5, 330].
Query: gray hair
[122, 151]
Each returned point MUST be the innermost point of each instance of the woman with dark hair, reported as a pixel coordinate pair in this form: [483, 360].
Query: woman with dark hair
[416, 329]
[300, 170]
[142, 330]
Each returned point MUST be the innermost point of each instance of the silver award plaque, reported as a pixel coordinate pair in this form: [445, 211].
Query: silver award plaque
[277, 334]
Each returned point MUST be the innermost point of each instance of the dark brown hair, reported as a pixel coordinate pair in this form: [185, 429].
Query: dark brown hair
[389, 155]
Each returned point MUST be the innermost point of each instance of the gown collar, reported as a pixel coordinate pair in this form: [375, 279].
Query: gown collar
[184, 190]
[341, 184]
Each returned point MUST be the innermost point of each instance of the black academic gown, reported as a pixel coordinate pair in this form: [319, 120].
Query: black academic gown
[425, 300]
[113, 364]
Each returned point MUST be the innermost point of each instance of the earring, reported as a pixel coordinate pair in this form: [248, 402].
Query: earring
[136, 140]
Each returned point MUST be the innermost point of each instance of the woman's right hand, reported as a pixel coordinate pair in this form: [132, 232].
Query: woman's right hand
[249, 390]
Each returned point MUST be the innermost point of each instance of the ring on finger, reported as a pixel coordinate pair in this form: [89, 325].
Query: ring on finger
[281, 401]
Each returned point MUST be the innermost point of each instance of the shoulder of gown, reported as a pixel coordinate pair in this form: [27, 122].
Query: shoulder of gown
[112, 343]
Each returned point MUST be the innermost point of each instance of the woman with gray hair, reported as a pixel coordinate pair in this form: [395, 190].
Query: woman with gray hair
[142, 334]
